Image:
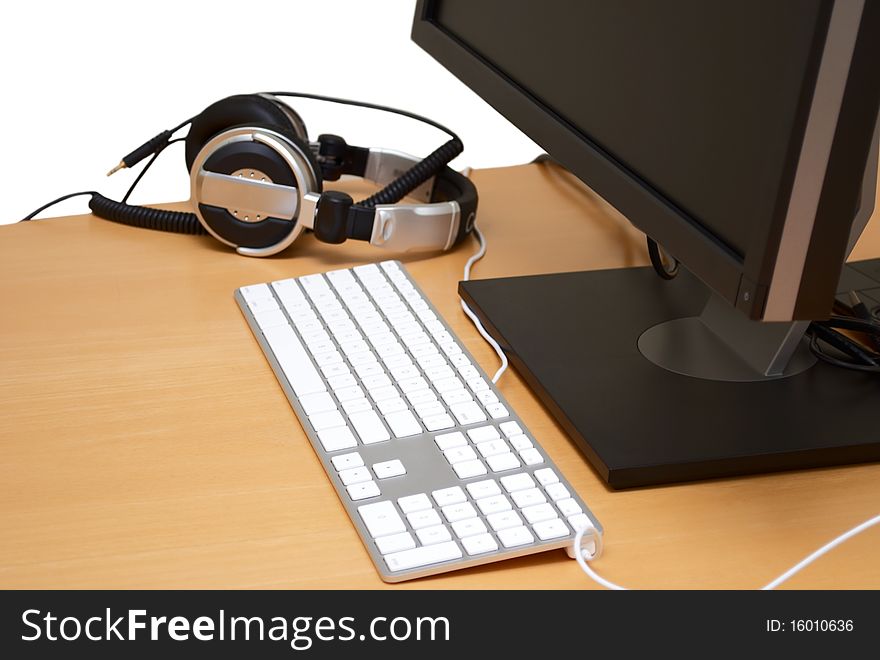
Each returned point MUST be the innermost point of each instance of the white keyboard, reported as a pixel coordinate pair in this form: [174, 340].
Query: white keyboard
[435, 469]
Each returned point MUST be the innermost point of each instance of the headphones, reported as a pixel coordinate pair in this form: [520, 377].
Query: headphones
[256, 183]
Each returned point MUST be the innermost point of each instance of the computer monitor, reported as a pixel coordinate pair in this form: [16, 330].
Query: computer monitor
[740, 136]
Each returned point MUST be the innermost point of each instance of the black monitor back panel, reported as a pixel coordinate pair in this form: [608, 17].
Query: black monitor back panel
[573, 336]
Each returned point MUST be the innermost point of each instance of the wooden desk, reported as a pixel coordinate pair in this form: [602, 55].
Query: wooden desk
[144, 441]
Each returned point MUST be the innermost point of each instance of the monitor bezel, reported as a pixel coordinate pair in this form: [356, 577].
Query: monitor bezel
[745, 281]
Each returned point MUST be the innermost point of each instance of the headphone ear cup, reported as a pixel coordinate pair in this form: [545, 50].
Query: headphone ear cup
[296, 122]
[242, 109]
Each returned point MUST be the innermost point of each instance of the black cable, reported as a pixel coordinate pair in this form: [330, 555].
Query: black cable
[57, 201]
[861, 358]
[844, 364]
[145, 217]
[371, 106]
[664, 271]
[147, 167]
[415, 175]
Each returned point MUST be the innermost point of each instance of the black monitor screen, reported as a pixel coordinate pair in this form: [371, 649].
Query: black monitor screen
[698, 99]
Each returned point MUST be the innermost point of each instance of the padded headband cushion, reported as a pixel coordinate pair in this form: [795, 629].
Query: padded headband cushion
[242, 109]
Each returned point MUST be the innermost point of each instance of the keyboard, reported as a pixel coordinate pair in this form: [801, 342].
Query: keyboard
[433, 466]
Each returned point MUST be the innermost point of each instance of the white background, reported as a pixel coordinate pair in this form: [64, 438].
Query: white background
[86, 82]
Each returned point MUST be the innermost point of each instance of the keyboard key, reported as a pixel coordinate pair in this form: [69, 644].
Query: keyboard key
[361, 360]
[344, 380]
[270, 318]
[483, 433]
[531, 456]
[478, 385]
[550, 529]
[539, 512]
[369, 427]
[468, 413]
[460, 454]
[515, 536]
[326, 420]
[403, 424]
[368, 369]
[432, 535]
[356, 406]
[395, 543]
[546, 476]
[456, 396]
[438, 422]
[330, 357]
[447, 384]
[569, 507]
[410, 503]
[456, 512]
[388, 406]
[317, 402]
[337, 438]
[382, 393]
[504, 520]
[429, 409]
[524, 498]
[486, 488]
[450, 440]
[520, 442]
[333, 370]
[424, 518]
[514, 482]
[497, 410]
[468, 469]
[468, 527]
[492, 448]
[494, 504]
[501, 462]
[346, 461]
[349, 393]
[486, 397]
[478, 545]
[579, 521]
[388, 469]
[381, 519]
[294, 361]
[408, 385]
[557, 492]
[421, 396]
[376, 381]
[355, 475]
[363, 491]
[510, 429]
[423, 556]
[453, 495]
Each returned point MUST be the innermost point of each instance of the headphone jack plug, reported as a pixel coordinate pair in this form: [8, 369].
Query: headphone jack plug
[148, 148]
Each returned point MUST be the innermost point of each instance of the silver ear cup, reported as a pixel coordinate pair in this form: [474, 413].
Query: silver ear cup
[249, 187]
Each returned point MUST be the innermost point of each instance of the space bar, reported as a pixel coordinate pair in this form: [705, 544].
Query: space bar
[294, 361]
[427, 554]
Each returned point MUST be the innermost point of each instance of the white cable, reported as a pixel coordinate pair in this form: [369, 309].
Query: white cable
[858, 529]
[580, 556]
[479, 254]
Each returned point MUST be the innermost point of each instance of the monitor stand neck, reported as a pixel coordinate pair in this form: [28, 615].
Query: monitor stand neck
[723, 345]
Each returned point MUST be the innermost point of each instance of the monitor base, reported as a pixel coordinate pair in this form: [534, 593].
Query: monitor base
[574, 338]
